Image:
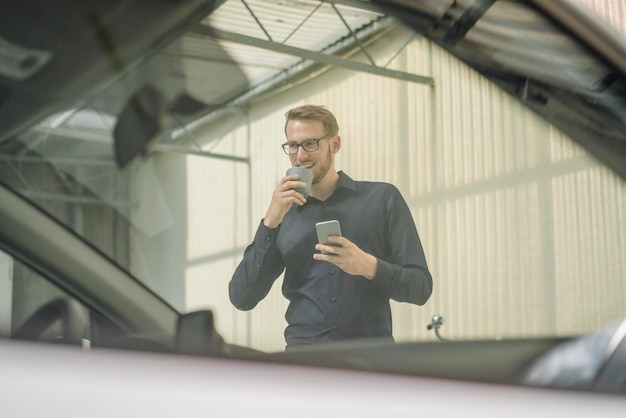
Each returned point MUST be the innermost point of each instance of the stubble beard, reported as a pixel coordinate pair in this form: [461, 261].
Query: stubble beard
[323, 166]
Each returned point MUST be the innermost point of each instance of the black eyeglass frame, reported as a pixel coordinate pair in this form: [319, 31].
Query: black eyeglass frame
[315, 141]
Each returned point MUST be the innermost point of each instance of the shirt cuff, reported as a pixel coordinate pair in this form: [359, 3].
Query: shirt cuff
[384, 274]
[265, 236]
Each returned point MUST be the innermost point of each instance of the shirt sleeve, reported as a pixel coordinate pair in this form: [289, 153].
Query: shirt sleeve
[258, 270]
[404, 277]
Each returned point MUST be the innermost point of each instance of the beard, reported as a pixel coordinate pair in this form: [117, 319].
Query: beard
[323, 166]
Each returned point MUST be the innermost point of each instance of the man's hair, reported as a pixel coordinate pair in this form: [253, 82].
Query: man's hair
[313, 112]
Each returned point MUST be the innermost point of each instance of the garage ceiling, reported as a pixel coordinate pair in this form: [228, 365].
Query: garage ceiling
[243, 50]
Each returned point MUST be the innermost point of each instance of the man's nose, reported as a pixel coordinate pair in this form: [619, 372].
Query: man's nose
[302, 154]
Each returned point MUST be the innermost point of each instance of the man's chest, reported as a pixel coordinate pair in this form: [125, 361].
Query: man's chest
[363, 223]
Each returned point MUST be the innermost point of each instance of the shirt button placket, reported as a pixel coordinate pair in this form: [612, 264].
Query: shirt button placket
[333, 298]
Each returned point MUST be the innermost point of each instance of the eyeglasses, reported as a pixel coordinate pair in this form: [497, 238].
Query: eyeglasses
[310, 145]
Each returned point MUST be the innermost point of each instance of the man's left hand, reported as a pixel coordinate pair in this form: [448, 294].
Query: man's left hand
[348, 257]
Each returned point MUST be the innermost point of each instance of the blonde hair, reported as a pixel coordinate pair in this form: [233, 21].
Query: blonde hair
[314, 112]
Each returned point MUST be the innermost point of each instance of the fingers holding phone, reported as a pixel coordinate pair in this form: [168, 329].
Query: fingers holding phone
[348, 256]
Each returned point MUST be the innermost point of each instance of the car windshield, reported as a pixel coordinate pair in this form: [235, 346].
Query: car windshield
[521, 221]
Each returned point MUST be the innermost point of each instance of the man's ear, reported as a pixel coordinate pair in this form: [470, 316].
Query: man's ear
[336, 144]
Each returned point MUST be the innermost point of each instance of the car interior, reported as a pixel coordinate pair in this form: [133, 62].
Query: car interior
[75, 293]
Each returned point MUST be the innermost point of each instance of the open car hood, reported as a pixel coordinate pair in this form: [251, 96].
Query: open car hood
[555, 57]
[96, 47]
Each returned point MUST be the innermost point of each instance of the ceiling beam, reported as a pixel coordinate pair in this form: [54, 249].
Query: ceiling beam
[309, 55]
[165, 148]
[357, 4]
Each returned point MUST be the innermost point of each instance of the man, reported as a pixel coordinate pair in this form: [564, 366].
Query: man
[334, 293]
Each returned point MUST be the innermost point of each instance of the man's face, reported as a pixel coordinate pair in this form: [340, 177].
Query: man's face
[320, 162]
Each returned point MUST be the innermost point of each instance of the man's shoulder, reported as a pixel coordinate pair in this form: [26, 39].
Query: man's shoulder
[367, 186]
[378, 186]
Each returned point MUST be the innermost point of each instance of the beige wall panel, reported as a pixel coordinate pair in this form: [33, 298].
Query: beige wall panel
[613, 11]
[218, 225]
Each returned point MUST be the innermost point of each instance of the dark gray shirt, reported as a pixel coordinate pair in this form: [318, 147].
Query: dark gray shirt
[326, 304]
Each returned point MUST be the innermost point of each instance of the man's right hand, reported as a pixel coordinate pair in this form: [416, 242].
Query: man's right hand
[283, 197]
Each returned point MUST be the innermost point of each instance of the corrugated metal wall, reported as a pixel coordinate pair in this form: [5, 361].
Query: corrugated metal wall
[523, 231]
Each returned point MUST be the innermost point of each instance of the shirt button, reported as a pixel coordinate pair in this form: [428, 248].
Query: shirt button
[333, 299]
[268, 238]
[331, 272]
[334, 326]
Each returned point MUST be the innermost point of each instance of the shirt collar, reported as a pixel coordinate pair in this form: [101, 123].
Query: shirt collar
[344, 182]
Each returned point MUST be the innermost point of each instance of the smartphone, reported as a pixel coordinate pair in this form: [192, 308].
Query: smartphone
[327, 229]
